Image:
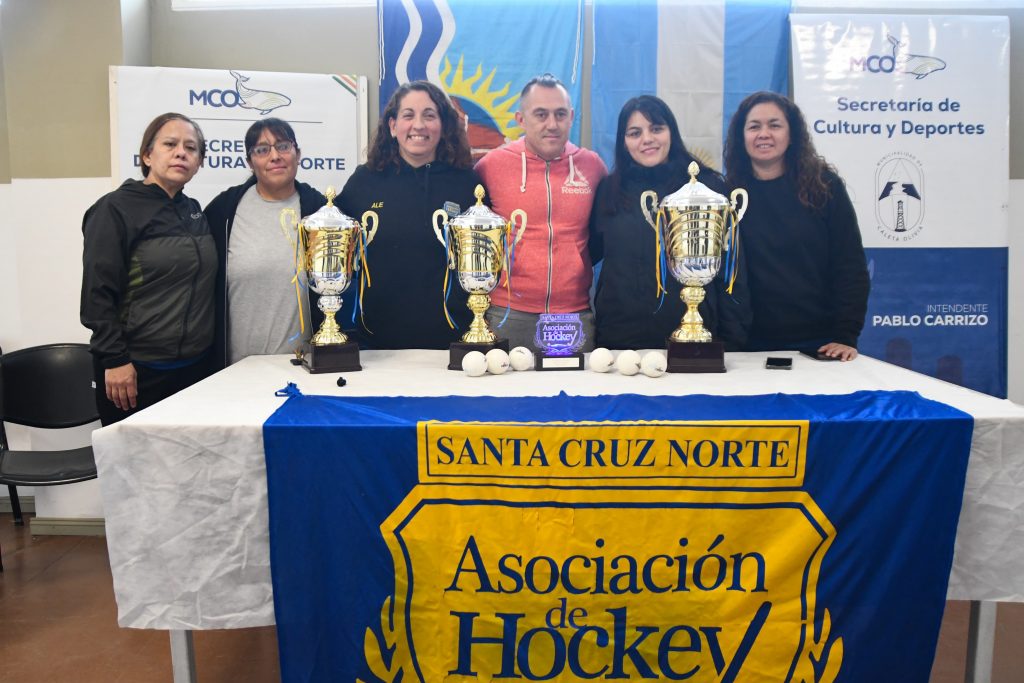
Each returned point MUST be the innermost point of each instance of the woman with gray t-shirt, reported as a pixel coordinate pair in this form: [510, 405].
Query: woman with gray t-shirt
[257, 308]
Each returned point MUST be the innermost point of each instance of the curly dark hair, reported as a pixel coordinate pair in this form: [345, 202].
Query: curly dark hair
[657, 112]
[803, 165]
[453, 148]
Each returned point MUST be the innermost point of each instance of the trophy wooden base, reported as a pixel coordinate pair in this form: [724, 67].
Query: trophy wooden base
[571, 362]
[458, 350]
[696, 357]
[331, 358]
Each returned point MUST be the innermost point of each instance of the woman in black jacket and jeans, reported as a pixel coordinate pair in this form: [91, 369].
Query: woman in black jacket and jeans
[149, 265]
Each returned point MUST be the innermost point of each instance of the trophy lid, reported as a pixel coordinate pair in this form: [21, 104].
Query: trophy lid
[328, 216]
[479, 215]
[694, 193]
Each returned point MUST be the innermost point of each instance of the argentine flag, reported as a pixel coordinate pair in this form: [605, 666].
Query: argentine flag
[701, 56]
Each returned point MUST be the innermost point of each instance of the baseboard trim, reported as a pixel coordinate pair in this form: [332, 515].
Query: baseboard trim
[28, 504]
[67, 526]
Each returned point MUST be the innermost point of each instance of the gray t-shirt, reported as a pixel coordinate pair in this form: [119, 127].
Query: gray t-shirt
[263, 313]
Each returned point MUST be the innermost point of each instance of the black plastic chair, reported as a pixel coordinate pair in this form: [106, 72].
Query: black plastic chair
[49, 387]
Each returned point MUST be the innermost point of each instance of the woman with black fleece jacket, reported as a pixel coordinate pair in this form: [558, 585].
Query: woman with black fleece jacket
[808, 274]
[419, 162]
[650, 155]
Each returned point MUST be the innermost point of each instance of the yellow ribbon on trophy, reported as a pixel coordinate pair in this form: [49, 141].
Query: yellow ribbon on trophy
[364, 275]
[449, 257]
[299, 247]
[659, 255]
[732, 249]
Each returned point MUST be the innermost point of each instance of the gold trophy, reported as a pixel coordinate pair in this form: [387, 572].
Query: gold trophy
[477, 244]
[331, 245]
[697, 228]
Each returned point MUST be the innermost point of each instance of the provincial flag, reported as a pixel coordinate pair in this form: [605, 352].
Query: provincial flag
[701, 57]
[481, 54]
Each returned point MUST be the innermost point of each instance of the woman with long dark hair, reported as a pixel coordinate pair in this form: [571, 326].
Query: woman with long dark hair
[419, 161]
[808, 276]
[650, 155]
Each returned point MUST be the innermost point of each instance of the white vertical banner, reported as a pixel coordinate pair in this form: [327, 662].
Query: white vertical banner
[328, 113]
[913, 111]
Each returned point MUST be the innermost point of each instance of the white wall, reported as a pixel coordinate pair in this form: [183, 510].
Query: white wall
[40, 283]
[42, 234]
[10, 289]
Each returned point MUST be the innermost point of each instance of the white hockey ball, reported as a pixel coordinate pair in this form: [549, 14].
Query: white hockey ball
[474, 363]
[601, 360]
[521, 358]
[628, 363]
[653, 364]
[497, 361]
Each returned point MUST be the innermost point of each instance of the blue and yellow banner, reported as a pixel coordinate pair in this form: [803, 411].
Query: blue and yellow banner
[766, 538]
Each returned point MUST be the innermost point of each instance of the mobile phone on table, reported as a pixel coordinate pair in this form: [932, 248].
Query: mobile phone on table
[775, 363]
[813, 353]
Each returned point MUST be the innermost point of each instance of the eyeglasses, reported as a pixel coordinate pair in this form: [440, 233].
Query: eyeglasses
[282, 147]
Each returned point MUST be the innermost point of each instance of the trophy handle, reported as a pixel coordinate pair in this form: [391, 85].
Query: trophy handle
[289, 220]
[736, 194]
[370, 231]
[292, 217]
[439, 228]
[647, 199]
[518, 213]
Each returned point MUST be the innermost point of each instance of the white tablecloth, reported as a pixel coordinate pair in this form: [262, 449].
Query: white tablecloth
[185, 495]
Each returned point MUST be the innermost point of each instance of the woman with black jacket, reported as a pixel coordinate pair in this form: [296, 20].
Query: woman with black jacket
[419, 162]
[259, 308]
[808, 273]
[650, 155]
[149, 264]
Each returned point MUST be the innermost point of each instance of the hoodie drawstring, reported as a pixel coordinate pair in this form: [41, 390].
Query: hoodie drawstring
[571, 180]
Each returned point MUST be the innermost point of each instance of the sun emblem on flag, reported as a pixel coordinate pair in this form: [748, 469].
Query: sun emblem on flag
[703, 156]
[489, 111]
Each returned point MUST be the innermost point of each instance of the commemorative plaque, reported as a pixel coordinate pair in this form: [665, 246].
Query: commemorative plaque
[559, 339]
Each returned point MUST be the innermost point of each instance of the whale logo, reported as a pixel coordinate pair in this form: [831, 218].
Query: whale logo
[264, 101]
[918, 66]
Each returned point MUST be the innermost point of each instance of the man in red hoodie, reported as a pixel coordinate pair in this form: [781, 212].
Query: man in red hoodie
[553, 181]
